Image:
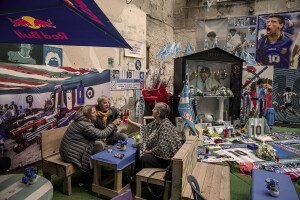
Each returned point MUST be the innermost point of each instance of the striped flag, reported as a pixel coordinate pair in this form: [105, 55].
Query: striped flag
[19, 76]
[185, 109]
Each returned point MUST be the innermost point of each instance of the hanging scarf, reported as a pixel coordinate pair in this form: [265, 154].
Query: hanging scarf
[104, 116]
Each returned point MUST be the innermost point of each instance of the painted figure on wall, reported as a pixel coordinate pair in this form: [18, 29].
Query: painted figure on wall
[23, 55]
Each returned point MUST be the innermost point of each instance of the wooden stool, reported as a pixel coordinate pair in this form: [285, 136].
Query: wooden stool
[157, 179]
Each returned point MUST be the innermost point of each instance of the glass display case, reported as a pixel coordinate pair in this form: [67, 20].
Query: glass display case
[215, 81]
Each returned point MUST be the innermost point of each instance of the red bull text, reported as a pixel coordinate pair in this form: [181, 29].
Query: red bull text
[30, 22]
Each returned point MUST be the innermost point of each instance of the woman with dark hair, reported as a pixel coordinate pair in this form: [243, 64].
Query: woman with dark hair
[160, 140]
[78, 142]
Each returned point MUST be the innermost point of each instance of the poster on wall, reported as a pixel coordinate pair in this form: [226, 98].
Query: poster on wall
[286, 91]
[278, 40]
[249, 101]
[242, 35]
[138, 49]
[21, 53]
[214, 33]
[126, 80]
[34, 98]
[53, 56]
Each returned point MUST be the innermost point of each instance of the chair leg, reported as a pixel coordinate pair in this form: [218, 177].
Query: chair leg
[138, 187]
[67, 189]
[166, 191]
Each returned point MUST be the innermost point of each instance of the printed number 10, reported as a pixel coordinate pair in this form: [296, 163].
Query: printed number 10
[257, 130]
[274, 58]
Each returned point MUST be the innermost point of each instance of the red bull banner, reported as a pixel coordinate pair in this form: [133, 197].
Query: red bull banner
[60, 22]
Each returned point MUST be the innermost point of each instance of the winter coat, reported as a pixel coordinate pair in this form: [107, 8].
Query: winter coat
[78, 142]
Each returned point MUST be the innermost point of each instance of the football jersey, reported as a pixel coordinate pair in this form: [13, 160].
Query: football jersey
[276, 54]
[288, 96]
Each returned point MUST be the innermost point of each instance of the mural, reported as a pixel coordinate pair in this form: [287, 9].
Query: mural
[285, 97]
[34, 98]
[21, 53]
[249, 101]
[277, 42]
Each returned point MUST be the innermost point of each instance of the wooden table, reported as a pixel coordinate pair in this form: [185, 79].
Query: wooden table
[11, 187]
[106, 159]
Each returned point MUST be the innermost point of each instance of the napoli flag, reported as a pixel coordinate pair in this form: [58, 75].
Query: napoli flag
[185, 109]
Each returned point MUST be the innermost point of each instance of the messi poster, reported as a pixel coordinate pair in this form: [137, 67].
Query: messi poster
[278, 40]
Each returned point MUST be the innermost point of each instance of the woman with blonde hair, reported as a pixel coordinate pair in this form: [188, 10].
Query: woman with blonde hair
[78, 143]
[105, 116]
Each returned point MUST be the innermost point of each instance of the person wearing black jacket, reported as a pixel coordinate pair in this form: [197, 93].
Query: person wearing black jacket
[105, 116]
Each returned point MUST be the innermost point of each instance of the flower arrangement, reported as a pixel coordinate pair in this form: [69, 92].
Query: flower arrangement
[29, 175]
[223, 91]
[273, 186]
[266, 152]
[122, 143]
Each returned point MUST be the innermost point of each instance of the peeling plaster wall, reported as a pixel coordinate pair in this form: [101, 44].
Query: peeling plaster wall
[159, 33]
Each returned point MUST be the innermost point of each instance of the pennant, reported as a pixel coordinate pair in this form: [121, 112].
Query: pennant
[205, 44]
[188, 49]
[173, 50]
[250, 60]
[237, 54]
[178, 47]
[215, 44]
[209, 2]
[243, 55]
[160, 53]
[185, 108]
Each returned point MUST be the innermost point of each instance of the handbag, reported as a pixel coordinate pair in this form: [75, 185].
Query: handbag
[167, 177]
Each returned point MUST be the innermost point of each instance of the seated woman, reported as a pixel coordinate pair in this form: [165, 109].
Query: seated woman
[106, 115]
[160, 140]
[78, 142]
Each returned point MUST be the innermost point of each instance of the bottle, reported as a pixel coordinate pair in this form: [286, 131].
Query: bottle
[80, 93]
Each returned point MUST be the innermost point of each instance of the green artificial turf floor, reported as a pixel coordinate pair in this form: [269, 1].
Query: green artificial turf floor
[240, 185]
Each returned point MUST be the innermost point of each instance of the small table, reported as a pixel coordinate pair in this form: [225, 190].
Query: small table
[107, 159]
[11, 187]
[259, 190]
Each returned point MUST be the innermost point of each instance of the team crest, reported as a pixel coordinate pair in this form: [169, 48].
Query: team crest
[283, 50]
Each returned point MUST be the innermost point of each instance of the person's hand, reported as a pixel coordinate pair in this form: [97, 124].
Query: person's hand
[128, 121]
[147, 151]
[117, 121]
[292, 62]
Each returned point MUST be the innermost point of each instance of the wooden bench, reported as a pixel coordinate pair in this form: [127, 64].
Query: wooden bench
[214, 180]
[52, 161]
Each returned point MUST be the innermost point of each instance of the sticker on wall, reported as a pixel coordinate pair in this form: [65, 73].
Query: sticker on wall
[53, 56]
[90, 93]
[138, 65]
[110, 62]
[126, 80]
